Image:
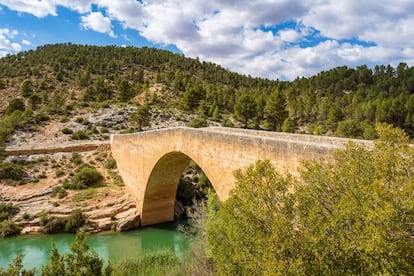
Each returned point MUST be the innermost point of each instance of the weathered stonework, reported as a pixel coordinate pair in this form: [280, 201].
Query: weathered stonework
[152, 162]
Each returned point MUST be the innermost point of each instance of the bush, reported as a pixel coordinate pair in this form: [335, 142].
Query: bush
[15, 104]
[76, 158]
[8, 210]
[12, 171]
[9, 228]
[77, 262]
[54, 225]
[79, 135]
[85, 177]
[350, 216]
[198, 122]
[62, 192]
[157, 263]
[75, 221]
[110, 164]
[67, 131]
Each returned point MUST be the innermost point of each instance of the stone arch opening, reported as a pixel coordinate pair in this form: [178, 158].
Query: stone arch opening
[161, 188]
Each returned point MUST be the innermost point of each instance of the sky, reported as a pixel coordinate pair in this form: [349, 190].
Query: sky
[275, 39]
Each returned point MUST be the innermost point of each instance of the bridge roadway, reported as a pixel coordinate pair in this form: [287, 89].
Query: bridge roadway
[152, 162]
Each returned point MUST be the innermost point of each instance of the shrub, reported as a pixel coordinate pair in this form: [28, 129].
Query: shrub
[8, 210]
[54, 225]
[43, 218]
[59, 173]
[15, 104]
[85, 177]
[9, 228]
[75, 221]
[198, 122]
[79, 135]
[157, 263]
[67, 131]
[110, 164]
[76, 158]
[62, 192]
[11, 171]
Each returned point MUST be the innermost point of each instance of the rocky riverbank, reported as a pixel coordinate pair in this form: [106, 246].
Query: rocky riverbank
[40, 195]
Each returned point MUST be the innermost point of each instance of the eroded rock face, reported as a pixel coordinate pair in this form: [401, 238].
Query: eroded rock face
[112, 208]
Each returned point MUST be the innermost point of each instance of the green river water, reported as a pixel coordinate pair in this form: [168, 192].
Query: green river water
[113, 246]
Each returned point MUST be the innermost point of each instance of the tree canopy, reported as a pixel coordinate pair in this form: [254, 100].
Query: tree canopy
[349, 216]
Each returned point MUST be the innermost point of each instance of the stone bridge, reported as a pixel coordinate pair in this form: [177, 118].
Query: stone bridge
[152, 162]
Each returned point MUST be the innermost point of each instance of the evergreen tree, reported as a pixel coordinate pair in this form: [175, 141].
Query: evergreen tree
[275, 111]
[27, 88]
[245, 108]
[125, 92]
[141, 117]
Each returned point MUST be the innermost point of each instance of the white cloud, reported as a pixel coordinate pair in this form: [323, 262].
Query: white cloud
[26, 42]
[98, 22]
[6, 45]
[239, 36]
[39, 8]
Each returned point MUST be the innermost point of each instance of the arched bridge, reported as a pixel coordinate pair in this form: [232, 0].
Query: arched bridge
[151, 162]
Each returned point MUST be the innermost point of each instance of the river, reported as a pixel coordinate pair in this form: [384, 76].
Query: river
[112, 246]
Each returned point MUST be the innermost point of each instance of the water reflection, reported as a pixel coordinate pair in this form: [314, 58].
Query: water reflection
[114, 246]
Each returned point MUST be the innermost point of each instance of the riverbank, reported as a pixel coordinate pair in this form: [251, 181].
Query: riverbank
[40, 194]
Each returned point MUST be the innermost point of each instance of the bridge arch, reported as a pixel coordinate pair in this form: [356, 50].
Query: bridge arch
[161, 187]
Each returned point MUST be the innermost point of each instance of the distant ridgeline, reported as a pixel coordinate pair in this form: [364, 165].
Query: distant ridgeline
[346, 102]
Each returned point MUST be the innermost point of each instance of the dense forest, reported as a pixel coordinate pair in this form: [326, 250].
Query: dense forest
[56, 79]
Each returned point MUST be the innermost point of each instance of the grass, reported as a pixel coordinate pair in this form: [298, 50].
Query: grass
[84, 195]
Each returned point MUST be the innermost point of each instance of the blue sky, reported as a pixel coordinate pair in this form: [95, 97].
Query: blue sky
[281, 39]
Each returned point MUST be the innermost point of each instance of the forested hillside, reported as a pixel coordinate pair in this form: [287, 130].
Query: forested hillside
[55, 81]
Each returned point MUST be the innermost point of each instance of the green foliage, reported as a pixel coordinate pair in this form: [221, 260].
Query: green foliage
[79, 135]
[86, 176]
[317, 104]
[245, 108]
[198, 122]
[54, 225]
[34, 101]
[67, 131]
[110, 164]
[76, 158]
[77, 262]
[141, 117]
[12, 171]
[9, 228]
[8, 210]
[192, 97]
[27, 88]
[161, 262]
[15, 268]
[15, 104]
[185, 192]
[289, 125]
[125, 92]
[275, 111]
[351, 216]
[75, 221]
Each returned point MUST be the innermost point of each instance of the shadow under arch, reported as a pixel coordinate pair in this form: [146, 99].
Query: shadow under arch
[161, 188]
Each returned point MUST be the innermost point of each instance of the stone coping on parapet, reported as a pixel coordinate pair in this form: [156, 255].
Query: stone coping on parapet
[69, 147]
[304, 139]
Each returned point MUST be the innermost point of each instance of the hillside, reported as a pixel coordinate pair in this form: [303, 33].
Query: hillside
[60, 82]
